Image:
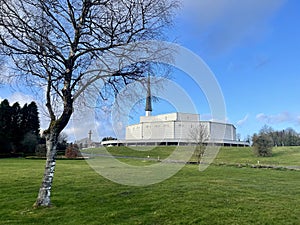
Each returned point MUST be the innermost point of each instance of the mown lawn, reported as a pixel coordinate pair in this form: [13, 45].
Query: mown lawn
[282, 156]
[219, 195]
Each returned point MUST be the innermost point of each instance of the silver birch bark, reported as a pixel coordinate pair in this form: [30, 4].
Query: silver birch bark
[56, 45]
[44, 194]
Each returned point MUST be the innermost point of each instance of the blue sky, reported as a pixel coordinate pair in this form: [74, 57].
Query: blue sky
[253, 49]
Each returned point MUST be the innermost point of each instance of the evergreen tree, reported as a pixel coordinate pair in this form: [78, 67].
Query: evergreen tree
[5, 116]
[19, 127]
[16, 132]
[5, 120]
[33, 122]
[262, 144]
[29, 143]
[30, 127]
[24, 115]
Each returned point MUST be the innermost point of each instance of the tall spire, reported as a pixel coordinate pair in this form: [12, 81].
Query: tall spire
[90, 136]
[148, 107]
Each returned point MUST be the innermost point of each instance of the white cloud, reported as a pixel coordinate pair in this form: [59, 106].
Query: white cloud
[243, 121]
[93, 119]
[283, 117]
[224, 24]
[17, 97]
[21, 98]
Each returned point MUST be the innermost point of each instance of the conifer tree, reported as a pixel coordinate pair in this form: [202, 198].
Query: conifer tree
[16, 132]
[5, 127]
[16, 125]
[32, 120]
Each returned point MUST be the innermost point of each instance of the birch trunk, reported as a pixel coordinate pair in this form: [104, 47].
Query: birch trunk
[43, 198]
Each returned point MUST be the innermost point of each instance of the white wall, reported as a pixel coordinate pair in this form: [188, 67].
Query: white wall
[222, 131]
[164, 127]
[159, 118]
[171, 117]
[188, 117]
[154, 130]
[158, 130]
[183, 129]
[133, 132]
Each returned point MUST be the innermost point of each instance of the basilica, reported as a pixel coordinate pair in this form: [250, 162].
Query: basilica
[175, 129]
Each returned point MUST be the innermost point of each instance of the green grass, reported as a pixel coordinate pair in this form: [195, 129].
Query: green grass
[282, 156]
[219, 195]
[142, 152]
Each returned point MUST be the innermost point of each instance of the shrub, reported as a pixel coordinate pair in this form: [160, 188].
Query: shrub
[72, 151]
[29, 143]
[262, 145]
[41, 150]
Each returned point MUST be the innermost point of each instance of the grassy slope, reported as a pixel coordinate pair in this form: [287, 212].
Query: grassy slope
[219, 195]
[282, 156]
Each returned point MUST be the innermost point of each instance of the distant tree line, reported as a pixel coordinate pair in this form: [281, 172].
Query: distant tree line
[286, 137]
[19, 128]
[109, 138]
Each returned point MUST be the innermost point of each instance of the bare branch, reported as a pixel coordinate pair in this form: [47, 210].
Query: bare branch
[55, 44]
[199, 135]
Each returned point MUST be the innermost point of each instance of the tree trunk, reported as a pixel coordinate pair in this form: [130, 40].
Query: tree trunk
[52, 133]
[43, 198]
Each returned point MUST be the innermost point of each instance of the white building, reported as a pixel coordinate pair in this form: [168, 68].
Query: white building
[87, 142]
[177, 126]
[175, 129]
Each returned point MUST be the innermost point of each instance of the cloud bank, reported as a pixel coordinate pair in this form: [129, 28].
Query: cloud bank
[283, 117]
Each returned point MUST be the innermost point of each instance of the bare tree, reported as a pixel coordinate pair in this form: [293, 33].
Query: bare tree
[57, 45]
[199, 135]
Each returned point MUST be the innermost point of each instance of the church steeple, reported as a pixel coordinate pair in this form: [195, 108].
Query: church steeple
[148, 107]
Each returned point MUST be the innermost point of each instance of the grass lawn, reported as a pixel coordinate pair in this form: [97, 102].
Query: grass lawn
[282, 156]
[219, 195]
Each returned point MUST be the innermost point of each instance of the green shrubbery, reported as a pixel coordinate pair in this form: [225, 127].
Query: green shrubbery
[262, 145]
